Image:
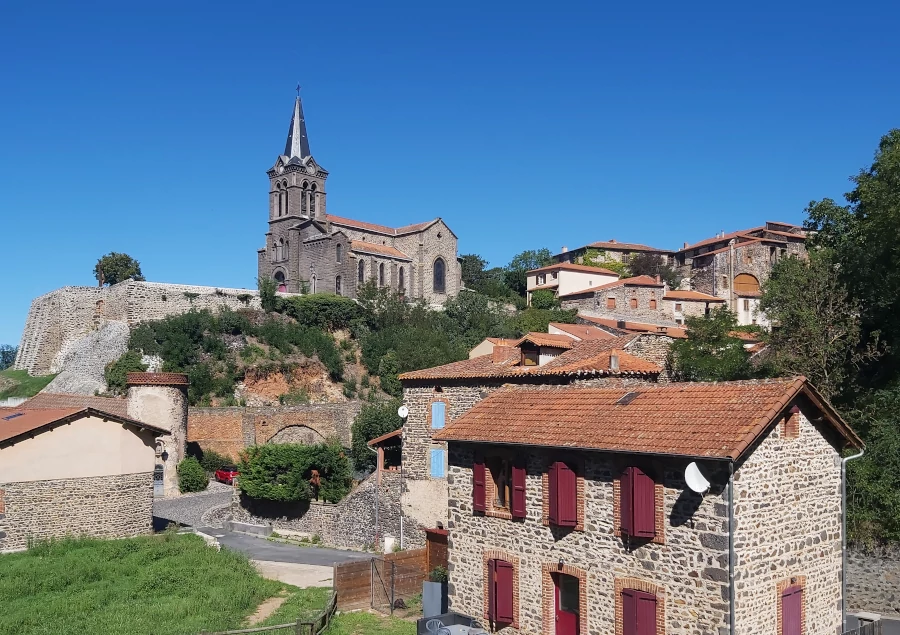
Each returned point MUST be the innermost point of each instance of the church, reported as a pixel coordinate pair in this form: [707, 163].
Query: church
[309, 250]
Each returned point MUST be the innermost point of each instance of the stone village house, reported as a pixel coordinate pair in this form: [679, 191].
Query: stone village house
[309, 250]
[569, 512]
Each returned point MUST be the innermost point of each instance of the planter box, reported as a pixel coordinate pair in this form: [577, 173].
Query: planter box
[434, 598]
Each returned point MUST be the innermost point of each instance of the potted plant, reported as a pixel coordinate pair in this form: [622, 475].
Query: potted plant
[434, 592]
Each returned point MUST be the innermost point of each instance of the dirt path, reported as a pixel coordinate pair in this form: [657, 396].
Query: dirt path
[265, 609]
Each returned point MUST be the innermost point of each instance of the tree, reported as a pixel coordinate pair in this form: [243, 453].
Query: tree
[472, 269]
[544, 299]
[645, 264]
[817, 332]
[7, 355]
[267, 296]
[291, 472]
[515, 273]
[372, 421]
[115, 267]
[710, 352]
[388, 371]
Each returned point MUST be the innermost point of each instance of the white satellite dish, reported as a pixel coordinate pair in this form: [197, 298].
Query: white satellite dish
[695, 479]
[403, 412]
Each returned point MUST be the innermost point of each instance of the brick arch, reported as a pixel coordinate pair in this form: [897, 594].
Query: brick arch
[297, 434]
[548, 593]
[647, 587]
[508, 556]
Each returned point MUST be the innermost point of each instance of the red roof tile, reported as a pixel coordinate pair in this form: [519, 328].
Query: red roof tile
[378, 250]
[15, 423]
[615, 244]
[396, 434]
[691, 296]
[582, 331]
[566, 266]
[716, 420]
[677, 332]
[50, 401]
[746, 233]
[636, 281]
[546, 339]
[381, 229]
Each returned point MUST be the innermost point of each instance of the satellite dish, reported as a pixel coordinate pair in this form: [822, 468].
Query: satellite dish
[403, 412]
[695, 479]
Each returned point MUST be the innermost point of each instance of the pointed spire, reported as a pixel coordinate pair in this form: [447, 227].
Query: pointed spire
[297, 143]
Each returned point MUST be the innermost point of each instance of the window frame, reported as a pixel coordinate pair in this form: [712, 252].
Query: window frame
[439, 283]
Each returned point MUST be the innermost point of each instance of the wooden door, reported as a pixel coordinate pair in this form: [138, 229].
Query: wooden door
[567, 603]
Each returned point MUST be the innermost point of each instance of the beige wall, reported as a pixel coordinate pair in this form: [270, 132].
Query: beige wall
[84, 448]
[485, 348]
[573, 281]
[750, 315]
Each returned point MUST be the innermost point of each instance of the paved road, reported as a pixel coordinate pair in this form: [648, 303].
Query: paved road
[262, 549]
[187, 509]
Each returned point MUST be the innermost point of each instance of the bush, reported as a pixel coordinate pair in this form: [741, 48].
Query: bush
[191, 476]
[267, 296]
[544, 299]
[116, 372]
[283, 472]
[211, 460]
[322, 310]
[372, 421]
[438, 574]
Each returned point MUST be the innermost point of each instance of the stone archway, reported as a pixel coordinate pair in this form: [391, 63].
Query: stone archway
[297, 434]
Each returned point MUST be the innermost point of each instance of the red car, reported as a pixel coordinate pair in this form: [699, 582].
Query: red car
[226, 474]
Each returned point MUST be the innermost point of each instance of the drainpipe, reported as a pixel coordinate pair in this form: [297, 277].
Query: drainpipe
[377, 493]
[731, 556]
[731, 275]
[844, 462]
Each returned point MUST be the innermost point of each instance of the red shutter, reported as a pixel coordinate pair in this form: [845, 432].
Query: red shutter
[478, 492]
[503, 593]
[567, 487]
[553, 495]
[646, 613]
[791, 610]
[492, 590]
[644, 506]
[518, 489]
[629, 612]
[626, 511]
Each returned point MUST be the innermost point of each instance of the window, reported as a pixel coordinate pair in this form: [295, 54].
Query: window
[553, 275]
[724, 282]
[792, 611]
[746, 304]
[678, 306]
[286, 207]
[338, 253]
[633, 303]
[541, 279]
[563, 495]
[610, 303]
[360, 271]
[501, 477]
[337, 285]
[313, 201]
[439, 285]
[498, 486]
[500, 591]
[637, 506]
[304, 197]
[438, 414]
[381, 275]
[652, 304]
[479, 482]
[312, 283]
[679, 321]
[279, 281]
[401, 281]
[438, 462]
[638, 612]
[746, 283]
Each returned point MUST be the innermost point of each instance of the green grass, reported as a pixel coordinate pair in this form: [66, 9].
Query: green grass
[156, 585]
[303, 604]
[26, 385]
[361, 623]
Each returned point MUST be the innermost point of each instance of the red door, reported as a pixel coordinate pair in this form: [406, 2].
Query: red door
[567, 603]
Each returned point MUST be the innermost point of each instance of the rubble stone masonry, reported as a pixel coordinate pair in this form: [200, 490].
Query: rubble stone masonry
[104, 506]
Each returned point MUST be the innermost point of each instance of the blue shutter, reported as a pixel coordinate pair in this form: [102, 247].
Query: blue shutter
[438, 408]
[437, 463]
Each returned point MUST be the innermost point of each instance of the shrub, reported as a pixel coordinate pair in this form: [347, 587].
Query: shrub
[117, 371]
[191, 476]
[372, 421]
[267, 297]
[438, 574]
[283, 472]
[544, 299]
[322, 310]
[211, 460]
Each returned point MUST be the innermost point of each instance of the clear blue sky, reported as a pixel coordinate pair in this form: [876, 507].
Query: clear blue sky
[148, 127]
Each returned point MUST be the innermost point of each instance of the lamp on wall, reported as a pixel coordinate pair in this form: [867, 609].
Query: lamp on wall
[559, 565]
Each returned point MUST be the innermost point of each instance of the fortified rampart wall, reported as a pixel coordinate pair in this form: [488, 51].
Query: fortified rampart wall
[58, 318]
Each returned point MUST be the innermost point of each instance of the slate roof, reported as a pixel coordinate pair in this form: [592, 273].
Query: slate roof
[710, 420]
[380, 229]
[297, 142]
[16, 423]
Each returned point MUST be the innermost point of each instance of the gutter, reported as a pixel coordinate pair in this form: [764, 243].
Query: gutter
[731, 555]
[844, 462]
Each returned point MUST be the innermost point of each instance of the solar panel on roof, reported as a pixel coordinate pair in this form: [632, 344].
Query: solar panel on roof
[627, 398]
[13, 416]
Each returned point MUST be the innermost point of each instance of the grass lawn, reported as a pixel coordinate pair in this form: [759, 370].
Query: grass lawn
[25, 384]
[167, 584]
[301, 603]
[362, 623]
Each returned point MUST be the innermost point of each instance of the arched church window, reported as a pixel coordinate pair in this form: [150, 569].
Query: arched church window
[381, 275]
[312, 283]
[338, 253]
[440, 273]
[401, 282]
[337, 285]
[280, 250]
[313, 200]
[361, 271]
[279, 281]
[304, 196]
[285, 198]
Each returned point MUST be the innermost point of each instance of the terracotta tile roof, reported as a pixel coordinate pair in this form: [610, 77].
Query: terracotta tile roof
[378, 250]
[776, 222]
[549, 285]
[716, 420]
[49, 401]
[381, 229]
[589, 357]
[615, 244]
[745, 336]
[787, 234]
[396, 434]
[691, 296]
[500, 341]
[156, 379]
[546, 339]
[15, 423]
[636, 281]
[566, 266]
[746, 233]
[582, 331]
[677, 332]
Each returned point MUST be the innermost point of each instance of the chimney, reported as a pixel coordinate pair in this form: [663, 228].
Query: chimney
[160, 399]
[614, 362]
[658, 279]
[565, 249]
[499, 354]
[685, 246]
[612, 240]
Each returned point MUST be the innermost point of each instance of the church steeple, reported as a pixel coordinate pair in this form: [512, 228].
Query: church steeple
[297, 142]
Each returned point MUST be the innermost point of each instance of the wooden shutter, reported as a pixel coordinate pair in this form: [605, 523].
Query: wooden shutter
[478, 482]
[791, 610]
[438, 457]
[626, 513]
[629, 612]
[567, 495]
[646, 613]
[553, 495]
[503, 592]
[438, 411]
[644, 505]
[492, 590]
[518, 489]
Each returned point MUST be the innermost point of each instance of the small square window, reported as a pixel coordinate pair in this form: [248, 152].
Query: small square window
[610, 303]
[438, 415]
[678, 306]
[633, 303]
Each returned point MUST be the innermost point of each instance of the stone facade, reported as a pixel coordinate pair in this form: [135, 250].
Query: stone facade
[104, 506]
[873, 580]
[787, 511]
[637, 303]
[229, 430]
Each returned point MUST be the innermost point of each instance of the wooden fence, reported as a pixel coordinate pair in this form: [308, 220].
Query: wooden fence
[380, 582]
[315, 626]
[872, 628]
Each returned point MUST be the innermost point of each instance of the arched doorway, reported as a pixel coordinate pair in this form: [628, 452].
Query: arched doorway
[279, 281]
[746, 284]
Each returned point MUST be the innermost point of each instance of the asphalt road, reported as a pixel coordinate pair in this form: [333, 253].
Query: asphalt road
[262, 549]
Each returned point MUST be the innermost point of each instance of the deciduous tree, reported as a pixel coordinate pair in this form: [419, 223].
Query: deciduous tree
[710, 352]
[115, 267]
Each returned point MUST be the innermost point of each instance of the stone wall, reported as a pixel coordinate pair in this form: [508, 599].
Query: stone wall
[229, 430]
[596, 304]
[873, 580]
[788, 516]
[102, 506]
[687, 571]
[60, 317]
